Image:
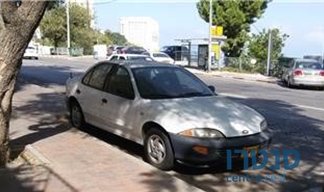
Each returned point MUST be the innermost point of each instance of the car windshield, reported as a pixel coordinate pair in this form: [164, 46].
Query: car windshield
[309, 65]
[168, 82]
[160, 55]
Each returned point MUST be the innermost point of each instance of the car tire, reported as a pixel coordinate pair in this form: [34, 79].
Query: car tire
[283, 80]
[289, 83]
[158, 149]
[76, 115]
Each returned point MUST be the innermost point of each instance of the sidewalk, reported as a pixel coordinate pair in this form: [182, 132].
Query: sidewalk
[61, 158]
[233, 75]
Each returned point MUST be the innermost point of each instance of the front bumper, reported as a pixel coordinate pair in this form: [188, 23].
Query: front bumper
[216, 148]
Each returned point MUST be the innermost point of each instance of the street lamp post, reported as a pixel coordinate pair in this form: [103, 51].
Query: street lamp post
[68, 26]
[210, 34]
[269, 52]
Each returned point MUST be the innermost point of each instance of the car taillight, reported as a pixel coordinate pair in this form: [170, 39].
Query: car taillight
[298, 72]
[321, 73]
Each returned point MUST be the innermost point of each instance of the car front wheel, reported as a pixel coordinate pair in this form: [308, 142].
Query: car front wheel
[158, 149]
[76, 115]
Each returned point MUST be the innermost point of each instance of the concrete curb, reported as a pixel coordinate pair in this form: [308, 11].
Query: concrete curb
[247, 79]
[34, 157]
[195, 71]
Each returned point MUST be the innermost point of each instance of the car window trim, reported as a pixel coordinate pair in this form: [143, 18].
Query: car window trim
[91, 71]
[108, 78]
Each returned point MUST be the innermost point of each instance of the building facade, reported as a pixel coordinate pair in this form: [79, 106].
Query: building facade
[141, 31]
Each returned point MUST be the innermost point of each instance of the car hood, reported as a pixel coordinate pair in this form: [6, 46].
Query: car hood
[216, 112]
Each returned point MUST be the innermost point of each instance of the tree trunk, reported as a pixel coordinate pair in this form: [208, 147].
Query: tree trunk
[18, 23]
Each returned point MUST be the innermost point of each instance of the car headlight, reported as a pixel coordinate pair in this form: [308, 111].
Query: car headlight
[202, 133]
[264, 125]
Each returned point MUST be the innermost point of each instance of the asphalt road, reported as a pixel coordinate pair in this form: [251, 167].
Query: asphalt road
[296, 117]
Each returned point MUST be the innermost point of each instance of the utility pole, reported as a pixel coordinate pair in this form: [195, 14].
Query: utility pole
[269, 52]
[210, 34]
[68, 26]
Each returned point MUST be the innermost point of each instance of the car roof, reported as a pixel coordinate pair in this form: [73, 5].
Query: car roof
[157, 52]
[135, 55]
[139, 64]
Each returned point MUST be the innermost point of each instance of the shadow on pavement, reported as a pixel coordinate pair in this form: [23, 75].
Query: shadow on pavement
[47, 75]
[23, 177]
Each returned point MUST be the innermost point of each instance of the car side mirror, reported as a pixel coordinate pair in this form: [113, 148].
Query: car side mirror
[212, 88]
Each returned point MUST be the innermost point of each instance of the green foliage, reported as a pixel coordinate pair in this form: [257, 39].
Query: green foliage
[258, 48]
[116, 38]
[54, 3]
[235, 16]
[54, 28]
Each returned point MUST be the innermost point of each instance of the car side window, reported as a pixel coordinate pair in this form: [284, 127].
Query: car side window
[98, 76]
[119, 83]
[87, 77]
[122, 58]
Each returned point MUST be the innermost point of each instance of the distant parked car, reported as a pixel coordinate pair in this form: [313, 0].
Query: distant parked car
[177, 52]
[134, 50]
[30, 53]
[114, 50]
[175, 115]
[121, 57]
[161, 57]
[303, 72]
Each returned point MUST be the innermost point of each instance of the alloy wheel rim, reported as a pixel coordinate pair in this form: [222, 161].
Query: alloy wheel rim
[156, 149]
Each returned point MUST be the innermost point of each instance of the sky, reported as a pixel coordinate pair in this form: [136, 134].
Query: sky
[302, 20]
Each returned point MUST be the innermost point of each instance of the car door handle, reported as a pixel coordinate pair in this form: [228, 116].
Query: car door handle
[78, 91]
[103, 100]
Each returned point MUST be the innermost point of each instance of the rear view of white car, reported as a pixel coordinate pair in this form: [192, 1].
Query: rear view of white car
[161, 57]
[31, 53]
[304, 72]
[131, 57]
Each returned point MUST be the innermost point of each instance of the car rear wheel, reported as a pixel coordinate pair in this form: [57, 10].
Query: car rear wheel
[76, 115]
[158, 150]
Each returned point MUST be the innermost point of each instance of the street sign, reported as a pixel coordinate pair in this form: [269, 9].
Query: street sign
[216, 31]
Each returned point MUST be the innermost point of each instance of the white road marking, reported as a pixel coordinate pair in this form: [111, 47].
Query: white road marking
[310, 107]
[296, 105]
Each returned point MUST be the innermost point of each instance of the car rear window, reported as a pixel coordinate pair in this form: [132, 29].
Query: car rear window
[309, 65]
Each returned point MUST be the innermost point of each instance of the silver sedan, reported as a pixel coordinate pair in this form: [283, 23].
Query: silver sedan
[304, 72]
[165, 108]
